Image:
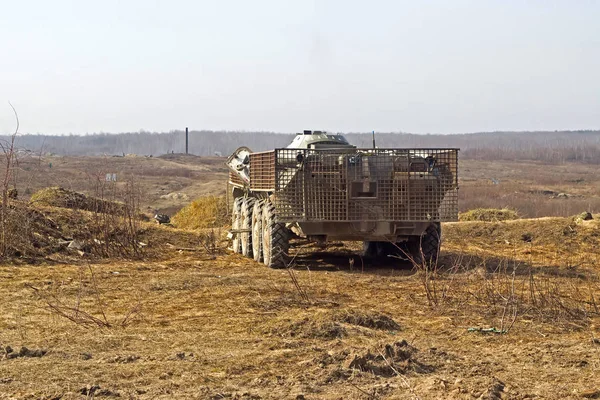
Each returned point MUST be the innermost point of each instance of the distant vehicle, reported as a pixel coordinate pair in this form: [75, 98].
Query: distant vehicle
[323, 188]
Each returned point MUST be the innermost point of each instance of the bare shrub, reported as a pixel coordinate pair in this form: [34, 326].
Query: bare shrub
[7, 214]
[115, 231]
[209, 240]
[437, 282]
[70, 305]
[512, 292]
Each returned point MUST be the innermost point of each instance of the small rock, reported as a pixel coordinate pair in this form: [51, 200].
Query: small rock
[8, 349]
[586, 216]
[86, 356]
[76, 245]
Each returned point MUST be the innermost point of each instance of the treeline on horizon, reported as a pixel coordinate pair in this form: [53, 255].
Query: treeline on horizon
[556, 147]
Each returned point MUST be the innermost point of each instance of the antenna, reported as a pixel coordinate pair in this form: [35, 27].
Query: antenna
[373, 139]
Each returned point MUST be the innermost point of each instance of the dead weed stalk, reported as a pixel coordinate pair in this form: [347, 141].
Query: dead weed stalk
[60, 304]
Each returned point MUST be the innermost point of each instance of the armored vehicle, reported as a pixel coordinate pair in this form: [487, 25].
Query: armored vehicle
[323, 188]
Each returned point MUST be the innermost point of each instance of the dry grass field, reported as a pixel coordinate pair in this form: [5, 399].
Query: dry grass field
[194, 323]
[510, 312]
[169, 182]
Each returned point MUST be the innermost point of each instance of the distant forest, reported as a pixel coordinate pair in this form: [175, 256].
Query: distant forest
[557, 146]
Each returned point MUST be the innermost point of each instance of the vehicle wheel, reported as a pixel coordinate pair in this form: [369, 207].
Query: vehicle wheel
[275, 238]
[382, 250]
[372, 249]
[426, 248]
[246, 224]
[257, 231]
[236, 216]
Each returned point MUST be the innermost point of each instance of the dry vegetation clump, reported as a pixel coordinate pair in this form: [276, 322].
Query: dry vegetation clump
[544, 242]
[61, 197]
[399, 358]
[29, 232]
[333, 324]
[204, 212]
[489, 215]
[318, 325]
[367, 319]
[35, 233]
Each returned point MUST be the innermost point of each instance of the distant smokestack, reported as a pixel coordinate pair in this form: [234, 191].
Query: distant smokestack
[373, 139]
[186, 140]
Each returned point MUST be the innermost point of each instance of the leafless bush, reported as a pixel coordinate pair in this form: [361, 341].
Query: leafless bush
[512, 292]
[437, 281]
[71, 307]
[508, 292]
[508, 296]
[209, 240]
[114, 230]
[6, 219]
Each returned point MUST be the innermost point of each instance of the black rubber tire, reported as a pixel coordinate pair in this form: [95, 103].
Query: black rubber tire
[236, 214]
[276, 239]
[383, 250]
[257, 231]
[246, 223]
[426, 248]
[373, 249]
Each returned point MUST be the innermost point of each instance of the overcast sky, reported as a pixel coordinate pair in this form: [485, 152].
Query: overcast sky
[412, 66]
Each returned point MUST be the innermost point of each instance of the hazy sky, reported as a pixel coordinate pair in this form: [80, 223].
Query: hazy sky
[413, 66]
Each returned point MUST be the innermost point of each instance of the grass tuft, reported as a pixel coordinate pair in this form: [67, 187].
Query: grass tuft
[204, 212]
[489, 215]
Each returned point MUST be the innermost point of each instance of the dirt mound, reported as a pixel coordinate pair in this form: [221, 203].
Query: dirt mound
[489, 215]
[61, 197]
[29, 232]
[333, 324]
[394, 359]
[205, 212]
[34, 233]
[367, 319]
[311, 328]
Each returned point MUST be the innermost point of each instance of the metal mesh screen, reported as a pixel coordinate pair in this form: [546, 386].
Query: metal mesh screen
[359, 184]
[262, 171]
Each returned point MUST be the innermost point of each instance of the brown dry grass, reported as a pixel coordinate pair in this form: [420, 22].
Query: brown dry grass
[488, 214]
[61, 197]
[530, 188]
[204, 212]
[214, 326]
[521, 187]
